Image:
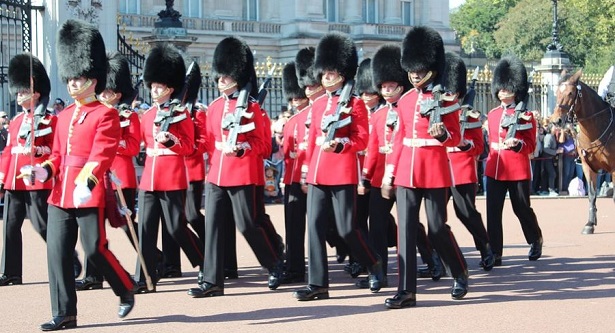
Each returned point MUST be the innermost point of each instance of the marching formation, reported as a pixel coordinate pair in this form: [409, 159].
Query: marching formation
[398, 129]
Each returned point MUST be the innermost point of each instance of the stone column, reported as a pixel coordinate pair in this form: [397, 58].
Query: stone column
[550, 68]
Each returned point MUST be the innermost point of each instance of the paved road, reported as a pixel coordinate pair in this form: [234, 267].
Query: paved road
[570, 289]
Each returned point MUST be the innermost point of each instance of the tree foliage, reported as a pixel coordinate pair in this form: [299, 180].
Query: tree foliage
[524, 27]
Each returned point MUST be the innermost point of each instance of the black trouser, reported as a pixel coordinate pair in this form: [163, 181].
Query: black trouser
[62, 231]
[408, 208]
[153, 205]
[295, 222]
[18, 205]
[423, 245]
[265, 220]
[464, 202]
[223, 205]
[130, 198]
[519, 192]
[341, 199]
[380, 220]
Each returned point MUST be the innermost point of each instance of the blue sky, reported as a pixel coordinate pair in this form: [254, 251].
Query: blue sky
[455, 3]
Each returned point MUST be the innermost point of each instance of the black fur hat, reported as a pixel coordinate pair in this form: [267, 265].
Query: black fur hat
[336, 51]
[290, 85]
[194, 84]
[19, 75]
[510, 74]
[165, 64]
[304, 65]
[234, 58]
[386, 67]
[455, 75]
[118, 77]
[423, 50]
[364, 82]
[81, 52]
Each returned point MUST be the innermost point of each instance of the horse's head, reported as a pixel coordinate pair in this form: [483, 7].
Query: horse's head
[566, 97]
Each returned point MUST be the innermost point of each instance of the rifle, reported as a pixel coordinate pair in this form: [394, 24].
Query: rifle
[331, 123]
[433, 108]
[125, 106]
[467, 109]
[512, 122]
[262, 90]
[166, 118]
[37, 116]
[232, 121]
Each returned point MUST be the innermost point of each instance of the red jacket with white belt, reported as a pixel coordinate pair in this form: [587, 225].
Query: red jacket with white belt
[464, 162]
[129, 146]
[294, 145]
[195, 163]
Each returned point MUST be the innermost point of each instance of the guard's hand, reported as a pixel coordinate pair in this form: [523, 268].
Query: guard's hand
[30, 173]
[303, 181]
[81, 195]
[166, 138]
[437, 131]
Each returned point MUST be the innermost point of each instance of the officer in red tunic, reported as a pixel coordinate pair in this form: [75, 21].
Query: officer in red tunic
[119, 93]
[168, 134]
[85, 143]
[230, 189]
[419, 163]
[391, 81]
[508, 165]
[463, 159]
[331, 168]
[293, 146]
[23, 197]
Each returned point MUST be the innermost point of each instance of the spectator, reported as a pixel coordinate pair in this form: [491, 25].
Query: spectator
[535, 159]
[567, 139]
[4, 121]
[549, 151]
[136, 104]
[58, 106]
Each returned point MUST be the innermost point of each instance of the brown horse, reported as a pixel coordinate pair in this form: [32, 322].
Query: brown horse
[578, 103]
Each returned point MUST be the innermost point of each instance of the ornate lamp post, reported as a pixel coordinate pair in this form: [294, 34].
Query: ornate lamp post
[555, 44]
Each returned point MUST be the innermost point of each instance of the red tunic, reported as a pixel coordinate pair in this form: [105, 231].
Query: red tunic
[267, 138]
[164, 168]
[329, 168]
[13, 158]
[232, 170]
[295, 143]
[379, 147]
[464, 162]
[195, 163]
[86, 134]
[419, 160]
[505, 164]
[129, 147]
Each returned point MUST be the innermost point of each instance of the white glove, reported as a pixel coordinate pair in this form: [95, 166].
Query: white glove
[81, 195]
[39, 172]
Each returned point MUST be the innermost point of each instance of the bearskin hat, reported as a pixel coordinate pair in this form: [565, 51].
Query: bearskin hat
[336, 51]
[194, 84]
[118, 77]
[233, 57]
[386, 67]
[19, 75]
[510, 74]
[304, 65]
[290, 85]
[364, 82]
[81, 52]
[165, 64]
[423, 50]
[455, 75]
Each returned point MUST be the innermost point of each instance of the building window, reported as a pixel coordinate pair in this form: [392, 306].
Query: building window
[370, 11]
[407, 12]
[250, 10]
[192, 8]
[331, 12]
[130, 7]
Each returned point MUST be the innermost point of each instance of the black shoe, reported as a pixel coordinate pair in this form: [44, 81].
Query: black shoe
[6, 280]
[206, 289]
[89, 283]
[402, 299]
[438, 270]
[171, 272]
[60, 322]
[376, 276]
[498, 260]
[230, 274]
[141, 288]
[354, 269]
[76, 265]
[535, 250]
[460, 286]
[340, 255]
[275, 276]
[290, 277]
[200, 278]
[127, 302]
[487, 258]
[311, 293]
[424, 272]
[364, 283]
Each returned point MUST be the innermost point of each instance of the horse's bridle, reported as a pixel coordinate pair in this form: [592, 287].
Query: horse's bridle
[571, 116]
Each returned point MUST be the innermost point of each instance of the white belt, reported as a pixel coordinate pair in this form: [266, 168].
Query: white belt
[497, 146]
[220, 145]
[159, 152]
[18, 150]
[385, 149]
[321, 139]
[452, 149]
[408, 142]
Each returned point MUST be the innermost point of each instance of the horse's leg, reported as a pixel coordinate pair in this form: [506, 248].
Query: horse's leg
[592, 221]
